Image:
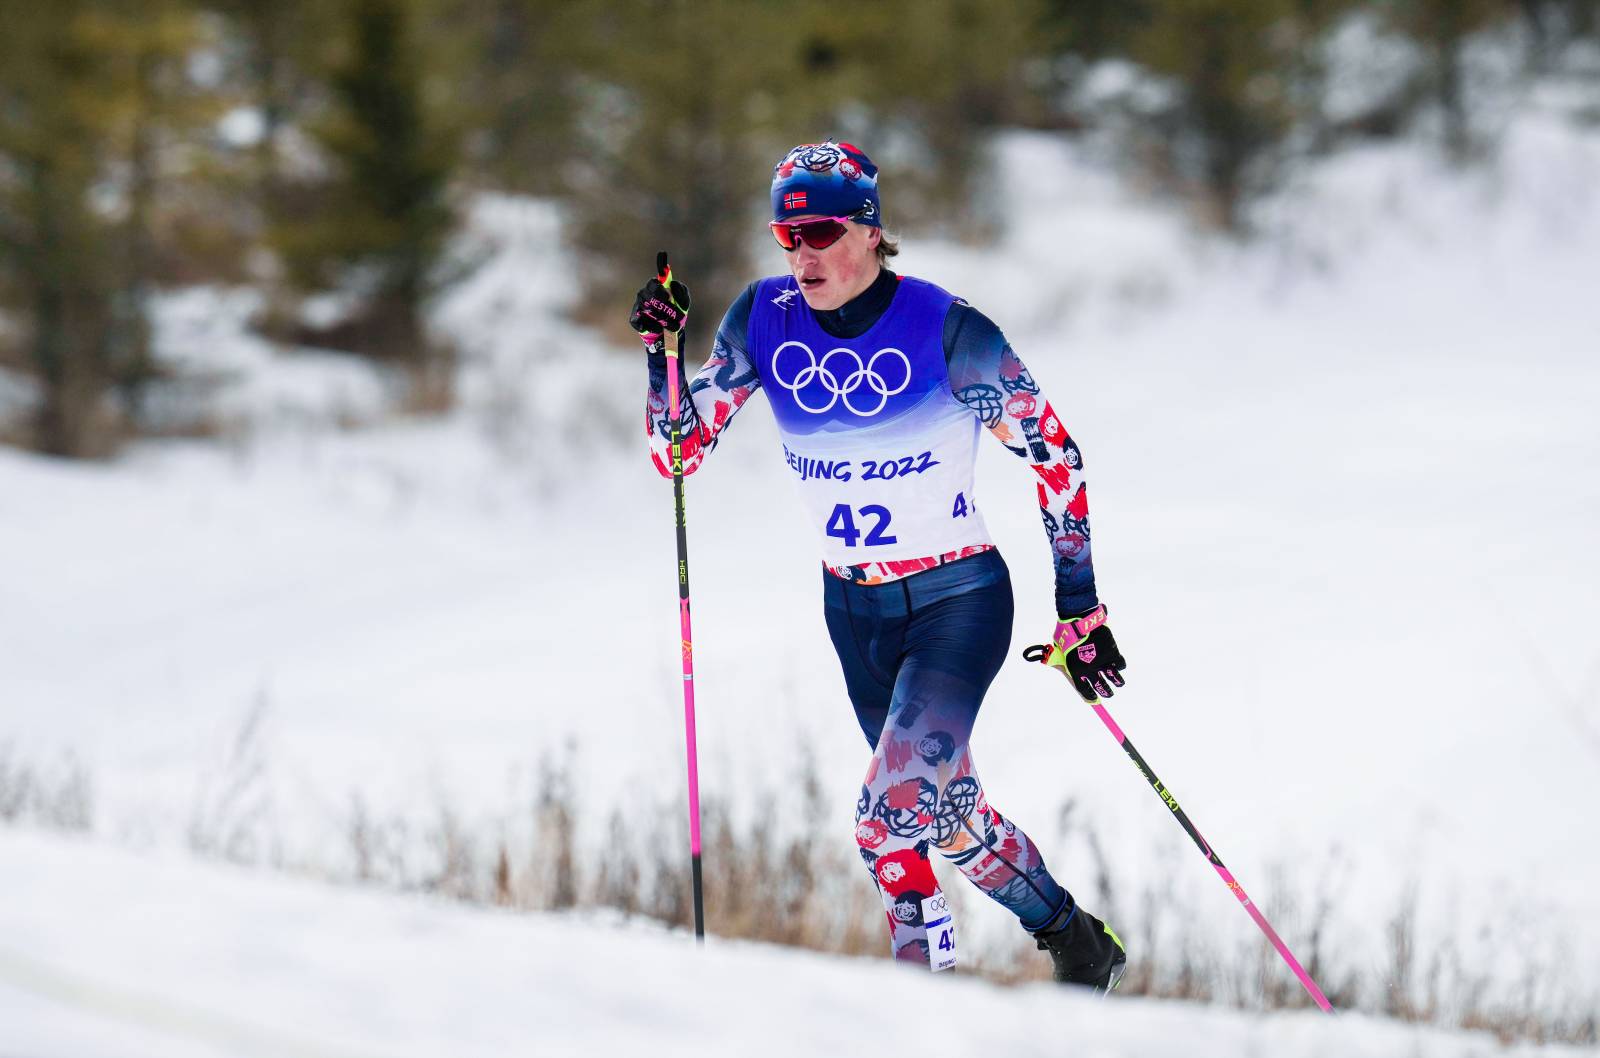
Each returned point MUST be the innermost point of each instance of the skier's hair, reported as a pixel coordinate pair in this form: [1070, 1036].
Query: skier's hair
[888, 246]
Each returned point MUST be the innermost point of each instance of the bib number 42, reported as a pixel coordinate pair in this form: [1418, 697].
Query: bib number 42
[941, 932]
[842, 524]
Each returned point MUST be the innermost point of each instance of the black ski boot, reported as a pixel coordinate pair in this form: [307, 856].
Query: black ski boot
[1085, 951]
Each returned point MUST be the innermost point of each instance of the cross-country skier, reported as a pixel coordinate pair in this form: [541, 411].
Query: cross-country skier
[879, 384]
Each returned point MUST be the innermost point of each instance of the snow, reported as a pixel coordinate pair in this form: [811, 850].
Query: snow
[240, 381]
[108, 954]
[1344, 500]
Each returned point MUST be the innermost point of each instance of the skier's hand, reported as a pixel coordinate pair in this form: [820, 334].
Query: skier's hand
[661, 305]
[1087, 655]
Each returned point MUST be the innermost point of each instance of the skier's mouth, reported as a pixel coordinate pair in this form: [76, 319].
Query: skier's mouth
[811, 282]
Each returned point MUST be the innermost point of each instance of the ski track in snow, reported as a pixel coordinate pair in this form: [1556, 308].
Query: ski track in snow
[108, 954]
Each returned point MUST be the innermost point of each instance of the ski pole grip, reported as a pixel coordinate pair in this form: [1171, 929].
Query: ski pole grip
[663, 270]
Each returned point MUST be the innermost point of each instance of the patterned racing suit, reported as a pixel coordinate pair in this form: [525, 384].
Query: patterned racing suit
[879, 404]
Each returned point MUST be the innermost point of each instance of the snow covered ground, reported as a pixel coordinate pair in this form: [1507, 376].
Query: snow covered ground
[1345, 507]
[105, 954]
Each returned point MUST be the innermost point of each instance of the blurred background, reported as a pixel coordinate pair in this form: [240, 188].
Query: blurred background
[325, 156]
[331, 548]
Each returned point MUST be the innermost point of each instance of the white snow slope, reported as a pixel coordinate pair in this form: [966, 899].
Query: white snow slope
[104, 954]
[1345, 507]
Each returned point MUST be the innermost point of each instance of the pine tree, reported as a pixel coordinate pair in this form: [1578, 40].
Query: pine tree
[376, 224]
[1227, 59]
[519, 87]
[274, 57]
[1442, 28]
[98, 131]
[154, 144]
[57, 247]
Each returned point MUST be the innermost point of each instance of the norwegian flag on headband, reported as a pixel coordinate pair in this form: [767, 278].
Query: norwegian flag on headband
[826, 178]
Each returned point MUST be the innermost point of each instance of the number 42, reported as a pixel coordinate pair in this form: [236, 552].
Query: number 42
[842, 524]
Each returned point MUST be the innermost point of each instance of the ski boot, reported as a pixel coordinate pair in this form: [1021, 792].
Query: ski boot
[1084, 950]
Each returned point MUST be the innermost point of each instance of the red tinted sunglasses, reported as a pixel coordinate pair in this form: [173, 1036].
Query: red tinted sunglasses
[818, 234]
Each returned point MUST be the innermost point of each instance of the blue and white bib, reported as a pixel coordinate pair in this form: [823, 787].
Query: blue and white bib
[880, 448]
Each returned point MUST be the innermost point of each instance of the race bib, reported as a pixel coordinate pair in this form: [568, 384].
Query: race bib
[941, 929]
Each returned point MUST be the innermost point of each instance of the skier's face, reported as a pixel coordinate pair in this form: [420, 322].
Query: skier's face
[830, 277]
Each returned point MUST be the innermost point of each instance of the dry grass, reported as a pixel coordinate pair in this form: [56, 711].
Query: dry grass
[58, 797]
[801, 884]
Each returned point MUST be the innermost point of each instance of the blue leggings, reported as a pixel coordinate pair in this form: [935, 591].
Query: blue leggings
[918, 655]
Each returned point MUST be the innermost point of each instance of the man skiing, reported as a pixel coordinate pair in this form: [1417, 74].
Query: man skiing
[879, 384]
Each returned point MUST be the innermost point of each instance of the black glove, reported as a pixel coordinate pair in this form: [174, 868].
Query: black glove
[1086, 653]
[660, 306]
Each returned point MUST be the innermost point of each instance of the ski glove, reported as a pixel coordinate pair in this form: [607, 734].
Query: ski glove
[660, 306]
[1087, 655]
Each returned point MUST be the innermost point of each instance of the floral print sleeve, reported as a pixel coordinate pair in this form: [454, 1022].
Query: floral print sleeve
[708, 404]
[987, 376]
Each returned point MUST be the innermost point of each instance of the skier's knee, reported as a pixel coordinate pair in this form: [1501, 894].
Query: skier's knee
[870, 837]
[956, 819]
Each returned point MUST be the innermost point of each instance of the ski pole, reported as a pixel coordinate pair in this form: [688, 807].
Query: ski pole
[1042, 653]
[674, 359]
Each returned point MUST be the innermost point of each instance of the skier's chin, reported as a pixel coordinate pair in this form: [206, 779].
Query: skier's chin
[818, 292]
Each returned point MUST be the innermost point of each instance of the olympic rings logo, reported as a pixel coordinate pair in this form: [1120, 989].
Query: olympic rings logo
[841, 377]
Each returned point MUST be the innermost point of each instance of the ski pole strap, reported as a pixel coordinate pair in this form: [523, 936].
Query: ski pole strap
[1069, 634]
[677, 293]
[1074, 630]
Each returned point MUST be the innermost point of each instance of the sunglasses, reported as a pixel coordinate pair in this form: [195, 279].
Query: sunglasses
[818, 234]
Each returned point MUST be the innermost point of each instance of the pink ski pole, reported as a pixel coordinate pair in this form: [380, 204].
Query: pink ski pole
[674, 358]
[1042, 653]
